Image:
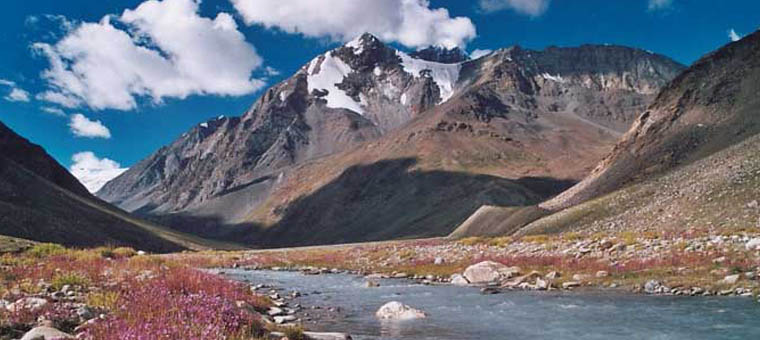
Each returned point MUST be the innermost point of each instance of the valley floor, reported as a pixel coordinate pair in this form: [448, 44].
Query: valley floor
[109, 293]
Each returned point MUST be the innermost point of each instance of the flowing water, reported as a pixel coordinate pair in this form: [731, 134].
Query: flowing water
[463, 313]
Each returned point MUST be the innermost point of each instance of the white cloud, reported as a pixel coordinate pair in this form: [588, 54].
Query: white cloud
[94, 172]
[479, 53]
[53, 110]
[84, 127]
[271, 71]
[409, 22]
[16, 94]
[161, 49]
[733, 35]
[533, 8]
[655, 5]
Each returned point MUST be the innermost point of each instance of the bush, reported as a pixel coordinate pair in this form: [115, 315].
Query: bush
[46, 249]
[104, 300]
[71, 279]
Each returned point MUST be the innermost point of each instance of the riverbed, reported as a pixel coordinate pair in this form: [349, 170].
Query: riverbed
[464, 313]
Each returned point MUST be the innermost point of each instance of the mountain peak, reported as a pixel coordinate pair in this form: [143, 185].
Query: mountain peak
[363, 42]
[441, 54]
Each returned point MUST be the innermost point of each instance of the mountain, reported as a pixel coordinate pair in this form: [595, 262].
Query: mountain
[690, 160]
[442, 55]
[41, 201]
[366, 142]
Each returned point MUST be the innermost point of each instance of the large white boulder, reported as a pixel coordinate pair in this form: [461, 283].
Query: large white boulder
[395, 310]
[489, 271]
[753, 244]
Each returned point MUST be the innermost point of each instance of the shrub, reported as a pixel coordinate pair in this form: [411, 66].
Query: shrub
[46, 249]
[103, 300]
[71, 279]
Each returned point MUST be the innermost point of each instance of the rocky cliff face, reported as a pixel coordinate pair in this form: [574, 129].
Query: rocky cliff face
[707, 108]
[372, 125]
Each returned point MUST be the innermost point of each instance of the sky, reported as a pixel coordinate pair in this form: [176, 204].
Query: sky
[102, 84]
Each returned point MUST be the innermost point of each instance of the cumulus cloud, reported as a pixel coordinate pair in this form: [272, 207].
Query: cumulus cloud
[16, 93]
[533, 8]
[94, 172]
[733, 35]
[161, 49]
[409, 22]
[82, 126]
[53, 111]
[655, 5]
[479, 53]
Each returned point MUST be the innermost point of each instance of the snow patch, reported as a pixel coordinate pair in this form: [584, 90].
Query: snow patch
[332, 71]
[356, 45]
[558, 78]
[444, 75]
[204, 125]
[403, 99]
[377, 71]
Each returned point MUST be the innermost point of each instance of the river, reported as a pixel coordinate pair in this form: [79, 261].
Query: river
[464, 313]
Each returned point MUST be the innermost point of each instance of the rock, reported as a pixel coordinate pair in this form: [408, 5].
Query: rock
[489, 291]
[553, 275]
[439, 260]
[141, 252]
[541, 284]
[275, 311]
[459, 280]
[652, 287]
[284, 319]
[731, 279]
[326, 336]
[395, 310]
[86, 313]
[45, 333]
[570, 284]
[602, 273]
[753, 244]
[400, 275]
[488, 272]
[31, 304]
[376, 276]
[580, 277]
[371, 284]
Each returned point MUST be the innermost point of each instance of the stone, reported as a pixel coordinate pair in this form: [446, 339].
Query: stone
[439, 260]
[570, 284]
[488, 271]
[753, 244]
[652, 287]
[541, 284]
[731, 279]
[31, 304]
[553, 275]
[580, 277]
[86, 313]
[326, 336]
[459, 280]
[45, 333]
[602, 273]
[395, 310]
[284, 319]
[400, 275]
[371, 284]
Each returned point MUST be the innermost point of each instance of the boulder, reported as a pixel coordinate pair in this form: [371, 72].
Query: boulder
[45, 333]
[570, 284]
[553, 275]
[326, 336]
[31, 304]
[284, 319]
[395, 310]
[541, 284]
[753, 244]
[459, 280]
[602, 273]
[371, 284]
[488, 272]
[439, 260]
[652, 287]
[731, 279]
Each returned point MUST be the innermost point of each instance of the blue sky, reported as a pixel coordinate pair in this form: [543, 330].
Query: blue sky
[144, 102]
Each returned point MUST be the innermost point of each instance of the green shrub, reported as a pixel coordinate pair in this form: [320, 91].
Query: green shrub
[71, 279]
[46, 249]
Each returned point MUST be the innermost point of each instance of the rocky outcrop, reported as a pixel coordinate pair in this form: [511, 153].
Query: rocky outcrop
[45, 333]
